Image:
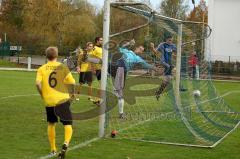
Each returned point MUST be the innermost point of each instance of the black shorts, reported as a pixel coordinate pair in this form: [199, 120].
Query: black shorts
[61, 111]
[85, 77]
[113, 67]
[112, 70]
[168, 70]
[98, 75]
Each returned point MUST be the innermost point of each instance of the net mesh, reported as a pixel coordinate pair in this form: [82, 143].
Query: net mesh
[199, 120]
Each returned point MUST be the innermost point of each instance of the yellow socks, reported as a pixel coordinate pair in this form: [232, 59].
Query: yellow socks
[51, 136]
[68, 133]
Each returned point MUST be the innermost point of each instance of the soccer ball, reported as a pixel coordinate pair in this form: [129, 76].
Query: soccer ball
[197, 93]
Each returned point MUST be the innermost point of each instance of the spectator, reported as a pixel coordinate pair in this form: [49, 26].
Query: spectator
[193, 62]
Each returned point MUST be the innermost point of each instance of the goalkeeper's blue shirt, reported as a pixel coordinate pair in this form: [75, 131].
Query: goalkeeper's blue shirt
[167, 50]
[131, 59]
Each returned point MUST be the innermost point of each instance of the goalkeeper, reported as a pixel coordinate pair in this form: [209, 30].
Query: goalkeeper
[118, 69]
[166, 50]
[121, 65]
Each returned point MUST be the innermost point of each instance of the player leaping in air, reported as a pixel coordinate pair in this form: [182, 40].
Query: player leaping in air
[166, 50]
[52, 82]
[120, 67]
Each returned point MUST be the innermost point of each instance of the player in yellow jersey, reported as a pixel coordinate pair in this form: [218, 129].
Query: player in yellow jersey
[85, 68]
[53, 81]
[98, 53]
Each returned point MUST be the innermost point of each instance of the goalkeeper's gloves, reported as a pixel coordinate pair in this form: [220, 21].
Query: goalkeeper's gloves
[132, 42]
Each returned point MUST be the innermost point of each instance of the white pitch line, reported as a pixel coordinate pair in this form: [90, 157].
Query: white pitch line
[221, 96]
[190, 106]
[71, 148]
[83, 144]
[17, 69]
[16, 96]
[95, 139]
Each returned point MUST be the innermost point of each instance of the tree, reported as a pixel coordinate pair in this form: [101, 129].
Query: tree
[174, 8]
[36, 24]
[200, 14]
[61, 23]
[12, 20]
[12, 12]
[42, 19]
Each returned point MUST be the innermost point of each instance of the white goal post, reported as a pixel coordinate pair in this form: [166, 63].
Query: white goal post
[182, 30]
[106, 31]
[106, 37]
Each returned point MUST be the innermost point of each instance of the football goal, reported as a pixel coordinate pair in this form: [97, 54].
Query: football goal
[189, 111]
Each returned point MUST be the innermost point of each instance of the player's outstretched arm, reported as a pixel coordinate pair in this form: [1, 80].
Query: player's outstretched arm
[130, 43]
[154, 50]
[145, 65]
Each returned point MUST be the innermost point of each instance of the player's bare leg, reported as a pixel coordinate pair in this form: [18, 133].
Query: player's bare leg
[163, 86]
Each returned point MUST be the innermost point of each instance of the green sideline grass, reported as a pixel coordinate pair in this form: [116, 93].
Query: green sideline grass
[23, 128]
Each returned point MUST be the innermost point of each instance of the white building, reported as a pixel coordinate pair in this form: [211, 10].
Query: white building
[224, 19]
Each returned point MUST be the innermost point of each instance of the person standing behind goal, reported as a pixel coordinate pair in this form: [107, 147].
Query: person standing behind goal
[193, 62]
[52, 82]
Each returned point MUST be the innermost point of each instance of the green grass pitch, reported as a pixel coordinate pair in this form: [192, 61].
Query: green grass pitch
[23, 128]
